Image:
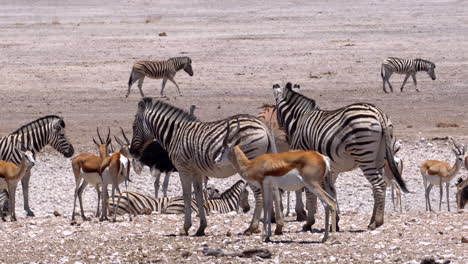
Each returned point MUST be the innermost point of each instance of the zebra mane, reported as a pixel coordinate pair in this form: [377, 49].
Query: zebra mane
[425, 62]
[148, 103]
[40, 121]
[228, 192]
[292, 96]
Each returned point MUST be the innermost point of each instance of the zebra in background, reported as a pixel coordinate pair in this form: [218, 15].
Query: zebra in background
[193, 145]
[228, 201]
[405, 66]
[47, 130]
[165, 70]
[358, 135]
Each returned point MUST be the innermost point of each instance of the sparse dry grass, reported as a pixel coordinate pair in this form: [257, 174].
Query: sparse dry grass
[56, 22]
[446, 125]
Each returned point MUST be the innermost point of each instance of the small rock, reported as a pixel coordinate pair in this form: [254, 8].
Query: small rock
[229, 233]
[186, 254]
[57, 213]
[464, 240]
[162, 34]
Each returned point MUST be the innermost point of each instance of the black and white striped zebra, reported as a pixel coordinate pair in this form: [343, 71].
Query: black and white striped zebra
[193, 145]
[356, 136]
[47, 130]
[409, 67]
[165, 70]
[228, 201]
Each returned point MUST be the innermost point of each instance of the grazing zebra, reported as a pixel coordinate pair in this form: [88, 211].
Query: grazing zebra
[193, 145]
[165, 70]
[405, 66]
[157, 159]
[47, 130]
[358, 135]
[228, 201]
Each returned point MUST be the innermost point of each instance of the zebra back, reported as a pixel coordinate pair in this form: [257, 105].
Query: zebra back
[194, 144]
[47, 130]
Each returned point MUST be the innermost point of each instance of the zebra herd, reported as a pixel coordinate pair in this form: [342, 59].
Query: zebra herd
[356, 136]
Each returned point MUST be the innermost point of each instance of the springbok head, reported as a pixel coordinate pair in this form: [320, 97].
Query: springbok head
[229, 142]
[104, 146]
[458, 150]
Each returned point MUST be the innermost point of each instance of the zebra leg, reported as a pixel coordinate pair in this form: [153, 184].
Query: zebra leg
[253, 228]
[415, 83]
[198, 188]
[156, 174]
[186, 181]
[375, 178]
[311, 208]
[166, 183]
[163, 86]
[404, 82]
[174, 82]
[140, 85]
[386, 79]
[301, 214]
[25, 187]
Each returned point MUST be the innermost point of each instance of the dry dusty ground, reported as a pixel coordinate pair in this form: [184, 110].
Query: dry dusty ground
[73, 58]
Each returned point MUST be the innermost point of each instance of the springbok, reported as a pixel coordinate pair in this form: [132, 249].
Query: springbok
[114, 170]
[269, 170]
[12, 174]
[86, 166]
[437, 172]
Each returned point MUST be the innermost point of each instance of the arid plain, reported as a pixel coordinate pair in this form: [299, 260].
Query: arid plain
[73, 59]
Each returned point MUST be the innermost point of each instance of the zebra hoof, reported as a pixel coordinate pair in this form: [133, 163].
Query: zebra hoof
[200, 233]
[30, 214]
[278, 231]
[307, 228]
[250, 231]
[301, 215]
[183, 233]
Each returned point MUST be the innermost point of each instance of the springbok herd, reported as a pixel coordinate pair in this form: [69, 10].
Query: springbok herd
[292, 146]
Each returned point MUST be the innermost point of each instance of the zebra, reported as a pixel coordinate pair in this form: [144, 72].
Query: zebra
[193, 145]
[405, 66]
[358, 135]
[228, 201]
[165, 70]
[157, 159]
[47, 130]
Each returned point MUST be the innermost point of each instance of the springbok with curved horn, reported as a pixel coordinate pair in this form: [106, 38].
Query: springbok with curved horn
[114, 170]
[86, 166]
[270, 170]
[12, 174]
[437, 172]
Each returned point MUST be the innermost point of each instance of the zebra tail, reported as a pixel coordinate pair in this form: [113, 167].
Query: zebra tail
[130, 80]
[391, 161]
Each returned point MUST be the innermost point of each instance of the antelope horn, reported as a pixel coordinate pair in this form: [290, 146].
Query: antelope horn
[99, 135]
[95, 142]
[125, 136]
[108, 139]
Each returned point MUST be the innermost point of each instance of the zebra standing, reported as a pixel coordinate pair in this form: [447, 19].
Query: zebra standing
[405, 66]
[165, 70]
[47, 130]
[193, 145]
[358, 135]
[228, 201]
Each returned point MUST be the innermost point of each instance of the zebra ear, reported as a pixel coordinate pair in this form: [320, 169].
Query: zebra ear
[142, 105]
[288, 86]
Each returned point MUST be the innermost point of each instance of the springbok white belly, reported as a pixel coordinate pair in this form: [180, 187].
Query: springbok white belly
[291, 181]
[435, 180]
[91, 177]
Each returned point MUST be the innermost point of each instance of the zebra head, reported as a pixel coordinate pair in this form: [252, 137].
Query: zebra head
[142, 135]
[188, 67]
[58, 140]
[229, 142]
[431, 71]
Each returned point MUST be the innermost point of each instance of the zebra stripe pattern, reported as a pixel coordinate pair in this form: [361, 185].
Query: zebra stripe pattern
[138, 204]
[409, 67]
[47, 130]
[358, 135]
[165, 70]
[193, 145]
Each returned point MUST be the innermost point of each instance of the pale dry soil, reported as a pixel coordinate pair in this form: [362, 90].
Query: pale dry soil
[73, 59]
